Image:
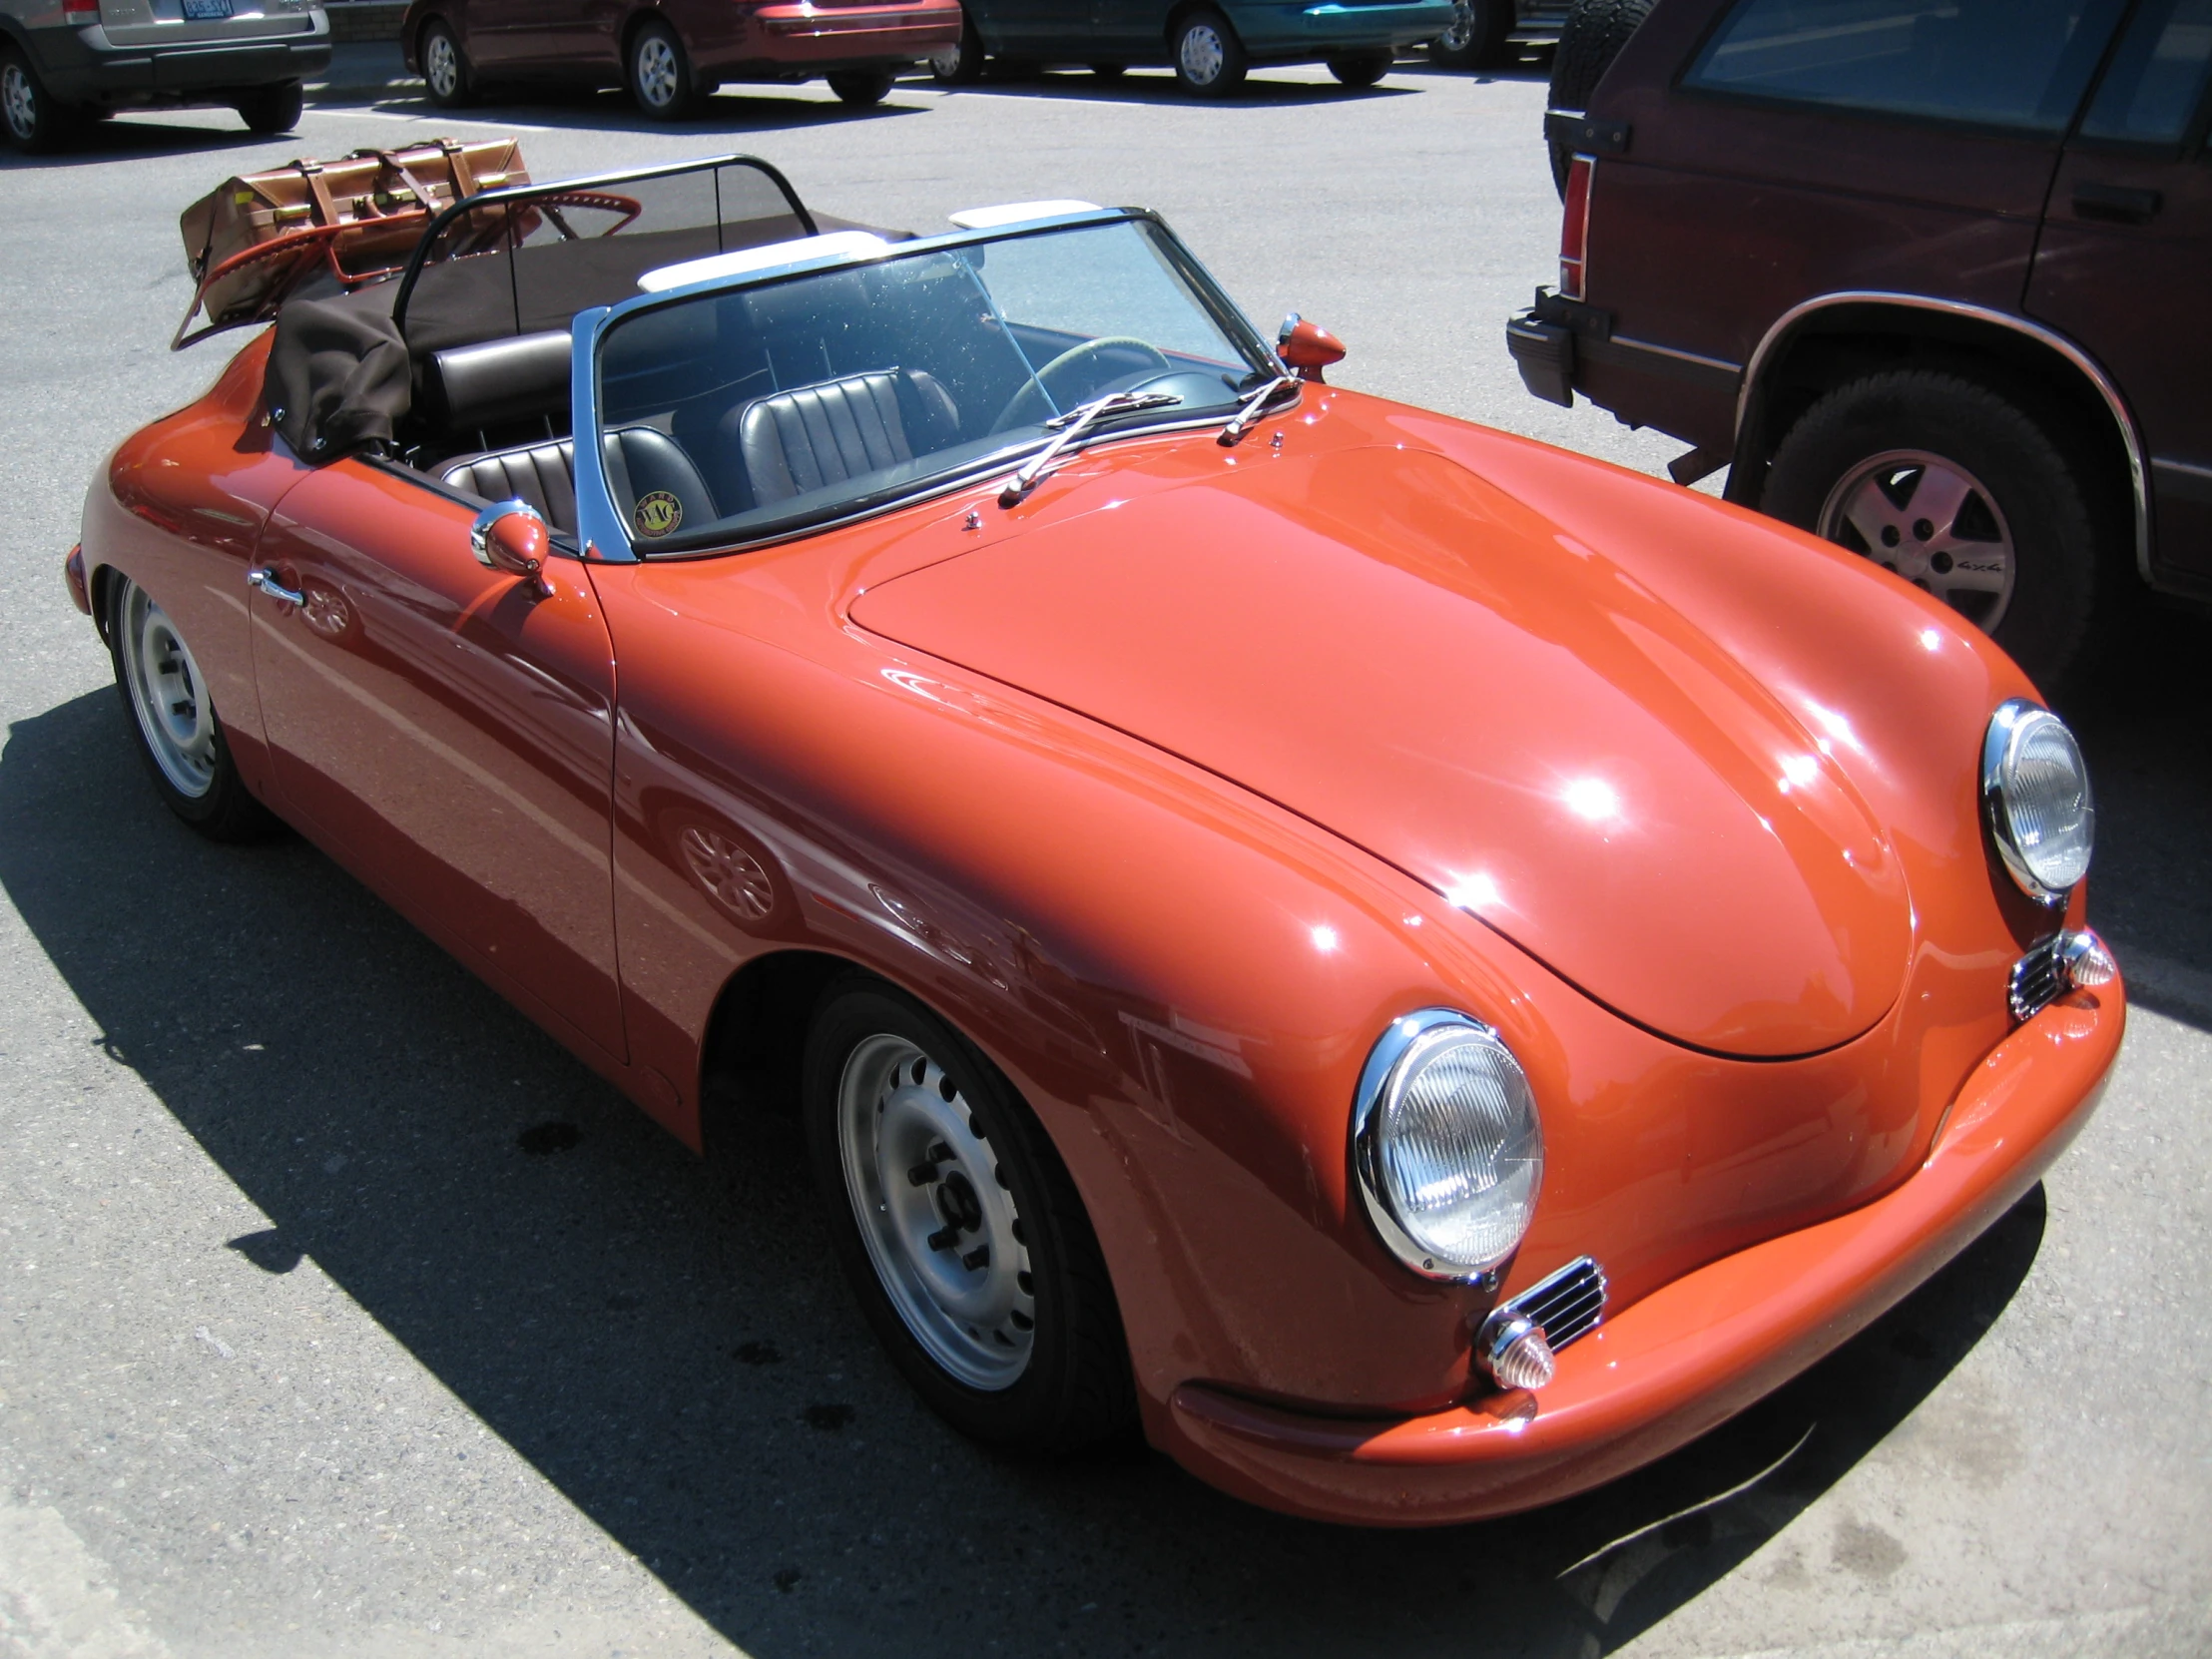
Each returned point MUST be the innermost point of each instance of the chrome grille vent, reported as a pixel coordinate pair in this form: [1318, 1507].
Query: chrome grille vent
[1565, 1306]
[2038, 978]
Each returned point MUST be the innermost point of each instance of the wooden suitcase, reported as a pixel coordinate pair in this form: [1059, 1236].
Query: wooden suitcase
[253, 238]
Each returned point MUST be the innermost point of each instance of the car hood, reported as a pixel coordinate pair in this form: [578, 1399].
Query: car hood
[1380, 640]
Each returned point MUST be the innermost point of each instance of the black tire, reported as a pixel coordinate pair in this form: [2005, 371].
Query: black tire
[29, 116]
[1108, 71]
[447, 71]
[220, 806]
[267, 111]
[1360, 69]
[658, 71]
[2037, 500]
[962, 64]
[1209, 59]
[1479, 36]
[1074, 1389]
[861, 88]
[1589, 41]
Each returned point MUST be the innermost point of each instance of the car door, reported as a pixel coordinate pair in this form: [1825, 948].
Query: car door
[1048, 29]
[447, 732]
[2125, 262]
[1129, 28]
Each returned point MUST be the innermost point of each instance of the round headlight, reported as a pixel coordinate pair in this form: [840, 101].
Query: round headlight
[1446, 1144]
[2036, 790]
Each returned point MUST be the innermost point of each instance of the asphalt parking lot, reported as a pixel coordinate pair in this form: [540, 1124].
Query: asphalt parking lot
[308, 1346]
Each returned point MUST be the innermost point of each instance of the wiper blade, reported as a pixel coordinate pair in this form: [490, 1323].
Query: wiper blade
[1253, 408]
[1072, 427]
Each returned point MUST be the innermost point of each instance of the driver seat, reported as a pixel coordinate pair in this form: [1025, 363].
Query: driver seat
[814, 437]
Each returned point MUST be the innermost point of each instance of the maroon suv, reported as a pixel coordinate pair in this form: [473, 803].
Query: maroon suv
[671, 53]
[1928, 275]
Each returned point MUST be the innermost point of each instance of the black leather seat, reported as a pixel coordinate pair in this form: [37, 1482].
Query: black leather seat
[813, 437]
[640, 462]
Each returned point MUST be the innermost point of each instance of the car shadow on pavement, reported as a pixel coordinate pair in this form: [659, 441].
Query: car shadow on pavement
[612, 111]
[1261, 91]
[125, 138]
[668, 1342]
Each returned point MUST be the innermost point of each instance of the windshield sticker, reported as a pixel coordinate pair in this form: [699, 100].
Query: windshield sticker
[658, 513]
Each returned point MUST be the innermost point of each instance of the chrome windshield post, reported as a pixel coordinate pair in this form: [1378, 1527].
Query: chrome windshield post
[599, 524]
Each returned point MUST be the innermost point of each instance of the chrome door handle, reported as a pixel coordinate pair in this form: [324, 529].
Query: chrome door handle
[266, 579]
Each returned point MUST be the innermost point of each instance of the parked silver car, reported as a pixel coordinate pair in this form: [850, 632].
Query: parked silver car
[65, 62]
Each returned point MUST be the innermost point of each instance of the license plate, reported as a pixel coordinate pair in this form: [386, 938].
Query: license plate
[205, 11]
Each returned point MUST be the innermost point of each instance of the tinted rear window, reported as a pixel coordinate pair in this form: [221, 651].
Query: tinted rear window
[1995, 63]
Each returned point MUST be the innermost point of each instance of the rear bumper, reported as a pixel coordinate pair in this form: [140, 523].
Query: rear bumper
[83, 66]
[1692, 1355]
[1282, 33]
[783, 38]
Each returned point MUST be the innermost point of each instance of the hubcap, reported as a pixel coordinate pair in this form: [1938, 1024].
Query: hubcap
[1932, 522]
[167, 696]
[1201, 54]
[944, 62]
[940, 1227]
[442, 66]
[1459, 32]
[657, 72]
[19, 101]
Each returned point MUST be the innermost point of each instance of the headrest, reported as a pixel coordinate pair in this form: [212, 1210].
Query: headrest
[496, 382]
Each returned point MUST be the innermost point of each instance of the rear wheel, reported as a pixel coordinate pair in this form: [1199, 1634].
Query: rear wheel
[661, 74]
[1960, 491]
[28, 113]
[447, 71]
[963, 63]
[1589, 41]
[1209, 58]
[173, 718]
[1476, 38]
[861, 88]
[1109, 71]
[1361, 69]
[960, 1228]
[272, 110]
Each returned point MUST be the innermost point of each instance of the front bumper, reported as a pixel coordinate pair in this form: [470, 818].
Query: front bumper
[1320, 27]
[1692, 1355]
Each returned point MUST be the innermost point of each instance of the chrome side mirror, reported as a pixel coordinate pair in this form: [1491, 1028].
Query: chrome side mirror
[1307, 347]
[509, 536]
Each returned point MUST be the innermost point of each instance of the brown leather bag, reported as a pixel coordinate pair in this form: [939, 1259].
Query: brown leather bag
[253, 238]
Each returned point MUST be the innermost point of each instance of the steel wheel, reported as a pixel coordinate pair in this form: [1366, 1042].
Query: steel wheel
[939, 1225]
[1932, 522]
[168, 696]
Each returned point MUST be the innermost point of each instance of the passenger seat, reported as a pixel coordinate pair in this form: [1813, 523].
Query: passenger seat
[815, 436]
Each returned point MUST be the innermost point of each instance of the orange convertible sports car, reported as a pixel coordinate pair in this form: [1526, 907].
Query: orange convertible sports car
[1421, 970]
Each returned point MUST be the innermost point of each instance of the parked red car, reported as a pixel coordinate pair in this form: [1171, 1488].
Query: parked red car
[672, 54]
[1421, 970]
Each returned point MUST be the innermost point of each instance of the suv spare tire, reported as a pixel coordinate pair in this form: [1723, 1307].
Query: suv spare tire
[1589, 41]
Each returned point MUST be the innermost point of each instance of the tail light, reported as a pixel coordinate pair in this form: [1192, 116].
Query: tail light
[78, 13]
[1574, 229]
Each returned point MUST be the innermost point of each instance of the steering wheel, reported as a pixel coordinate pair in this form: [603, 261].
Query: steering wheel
[1034, 391]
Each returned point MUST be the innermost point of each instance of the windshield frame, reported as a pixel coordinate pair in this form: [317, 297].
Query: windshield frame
[602, 530]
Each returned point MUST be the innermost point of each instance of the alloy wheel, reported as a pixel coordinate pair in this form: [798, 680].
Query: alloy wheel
[1458, 35]
[441, 65]
[18, 102]
[657, 72]
[1931, 521]
[940, 1228]
[168, 696]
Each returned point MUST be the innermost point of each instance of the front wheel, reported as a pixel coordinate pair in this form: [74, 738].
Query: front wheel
[861, 88]
[28, 113]
[1476, 37]
[1209, 58]
[1359, 69]
[960, 1228]
[661, 74]
[445, 68]
[173, 716]
[1962, 492]
[963, 63]
[267, 111]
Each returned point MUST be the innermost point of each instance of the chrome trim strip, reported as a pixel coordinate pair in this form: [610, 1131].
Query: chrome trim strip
[2130, 439]
[1720, 363]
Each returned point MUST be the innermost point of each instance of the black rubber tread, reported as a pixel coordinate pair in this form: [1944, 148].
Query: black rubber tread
[228, 812]
[1077, 1392]
[267, 111]
[1589, 41]
[465, 89]
[2066, 562]
[1235, 63]
[1488, 45]
[1359, 70]
[861, 88]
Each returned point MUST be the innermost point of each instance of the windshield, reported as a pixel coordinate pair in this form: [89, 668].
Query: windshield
[751, 411]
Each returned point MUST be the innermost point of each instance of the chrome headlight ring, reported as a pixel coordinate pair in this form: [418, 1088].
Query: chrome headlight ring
[2035, 800]
[1449, 1173]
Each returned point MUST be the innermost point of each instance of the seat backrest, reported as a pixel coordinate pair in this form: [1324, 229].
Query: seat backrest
[816, 437]
[543, 474]
[472, 387]
[641, 464]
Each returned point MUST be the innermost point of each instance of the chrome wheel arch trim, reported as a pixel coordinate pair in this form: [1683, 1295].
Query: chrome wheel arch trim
[2131, 441]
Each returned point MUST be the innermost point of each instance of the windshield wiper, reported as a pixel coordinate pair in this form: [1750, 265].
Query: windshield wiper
[1072, 427]
[1253, 408]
